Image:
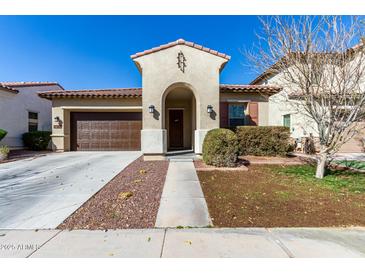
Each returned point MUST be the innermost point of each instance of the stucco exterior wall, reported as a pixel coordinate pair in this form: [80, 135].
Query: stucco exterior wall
[301, 125]
[14, 112]
[160, 74]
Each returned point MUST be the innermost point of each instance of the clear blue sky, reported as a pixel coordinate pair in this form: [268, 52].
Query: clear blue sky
[94, 51]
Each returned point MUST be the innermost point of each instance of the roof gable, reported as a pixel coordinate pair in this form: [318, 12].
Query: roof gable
[180, 42]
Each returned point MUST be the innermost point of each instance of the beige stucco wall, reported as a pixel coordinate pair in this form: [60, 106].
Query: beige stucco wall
[279, 106]
[262, 100]
[160, 74]
[63, 107]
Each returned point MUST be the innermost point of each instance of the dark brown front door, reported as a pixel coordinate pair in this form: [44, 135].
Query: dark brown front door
[106, 130]
[176, 128]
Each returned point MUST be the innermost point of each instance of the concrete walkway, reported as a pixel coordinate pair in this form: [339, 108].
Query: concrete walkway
[350, 156]
[42, 192]
[182, 202]
[186, 243]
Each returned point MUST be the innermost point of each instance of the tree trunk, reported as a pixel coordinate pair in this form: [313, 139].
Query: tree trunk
[321, 165]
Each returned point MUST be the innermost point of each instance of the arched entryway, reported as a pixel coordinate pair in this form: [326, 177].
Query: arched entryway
[179, 118]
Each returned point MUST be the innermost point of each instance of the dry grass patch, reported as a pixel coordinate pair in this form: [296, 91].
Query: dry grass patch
[272, 196]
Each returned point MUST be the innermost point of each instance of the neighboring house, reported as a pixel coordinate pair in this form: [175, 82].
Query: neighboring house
[181, 99]
[283, 114]
[22, 110]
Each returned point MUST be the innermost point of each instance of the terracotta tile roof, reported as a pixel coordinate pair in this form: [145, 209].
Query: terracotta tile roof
[93, 93]
[273, 69]
[250, 88]
[28, 84]
[8, 89]
[181, 42]
[137, 92]
[12, 86]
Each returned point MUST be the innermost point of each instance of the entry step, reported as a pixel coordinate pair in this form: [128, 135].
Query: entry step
[180, 159]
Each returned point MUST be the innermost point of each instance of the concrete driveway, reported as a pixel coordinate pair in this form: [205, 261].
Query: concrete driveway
[42, 192]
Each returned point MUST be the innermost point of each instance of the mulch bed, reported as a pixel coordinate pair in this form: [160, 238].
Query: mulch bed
[130, 200]
[269, 160]
[201, 166]
[261, 197]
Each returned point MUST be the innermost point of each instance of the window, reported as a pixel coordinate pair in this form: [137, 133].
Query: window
[286, 120]
[236, 115]
[32, 121]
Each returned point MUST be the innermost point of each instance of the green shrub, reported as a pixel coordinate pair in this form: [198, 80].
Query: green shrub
[220, 148]
[37, 140]
[2, 133]
[264, 141]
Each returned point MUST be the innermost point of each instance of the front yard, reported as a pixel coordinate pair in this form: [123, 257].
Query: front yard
[130, 200]
[273, 196]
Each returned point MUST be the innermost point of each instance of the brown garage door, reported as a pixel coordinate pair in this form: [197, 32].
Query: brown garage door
[106, 130]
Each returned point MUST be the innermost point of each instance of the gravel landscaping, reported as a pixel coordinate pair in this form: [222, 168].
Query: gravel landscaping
[130, 200]
[284, 196]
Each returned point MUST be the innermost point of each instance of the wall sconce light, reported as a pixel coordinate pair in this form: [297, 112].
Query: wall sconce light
[151, 109]
[58, 122]
[209, 109]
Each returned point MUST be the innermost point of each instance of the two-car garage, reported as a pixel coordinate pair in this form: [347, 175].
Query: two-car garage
[103, 131]
[96, 120]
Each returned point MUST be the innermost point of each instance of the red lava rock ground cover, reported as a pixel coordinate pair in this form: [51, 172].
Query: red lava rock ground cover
[130, 200]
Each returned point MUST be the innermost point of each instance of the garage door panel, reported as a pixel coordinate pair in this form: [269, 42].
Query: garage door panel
[106, 131]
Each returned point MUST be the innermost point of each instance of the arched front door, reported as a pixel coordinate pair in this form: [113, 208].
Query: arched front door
[180, 118]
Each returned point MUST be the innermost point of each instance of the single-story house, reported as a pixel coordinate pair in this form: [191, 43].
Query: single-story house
[181, 99]
[22, 110]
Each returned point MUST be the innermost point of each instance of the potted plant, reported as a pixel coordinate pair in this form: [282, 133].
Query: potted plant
[4, 150]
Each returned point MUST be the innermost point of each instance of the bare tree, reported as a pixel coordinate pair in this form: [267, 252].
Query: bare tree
[320, 64]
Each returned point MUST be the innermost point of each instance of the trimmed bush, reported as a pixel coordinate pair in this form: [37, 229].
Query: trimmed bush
[220, 148]
[2, 133]
[264, 141]
[37, 140]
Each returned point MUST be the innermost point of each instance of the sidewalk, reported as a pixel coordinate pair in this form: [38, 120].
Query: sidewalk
[193, 243]
[182, 201]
